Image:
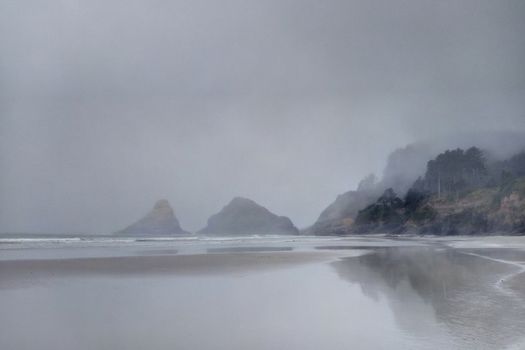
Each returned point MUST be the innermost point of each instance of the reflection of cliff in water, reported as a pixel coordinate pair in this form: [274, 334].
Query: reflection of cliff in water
[441, 290]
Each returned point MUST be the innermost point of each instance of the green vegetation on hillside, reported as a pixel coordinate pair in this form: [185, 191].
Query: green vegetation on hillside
[460, 193]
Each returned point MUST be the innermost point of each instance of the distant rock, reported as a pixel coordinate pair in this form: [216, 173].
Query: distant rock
[338, 217]
[243, 216]
[160, 221]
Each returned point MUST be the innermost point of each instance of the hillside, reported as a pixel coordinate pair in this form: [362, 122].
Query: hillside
[459, 194]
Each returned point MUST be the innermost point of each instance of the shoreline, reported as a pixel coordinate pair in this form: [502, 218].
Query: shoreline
[30, 271]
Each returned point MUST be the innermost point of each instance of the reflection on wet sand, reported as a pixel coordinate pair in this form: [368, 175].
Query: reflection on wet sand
[157, 252]
[26, 273]
[344, 247]
[337, 294]
[459, 287]
[248, 249]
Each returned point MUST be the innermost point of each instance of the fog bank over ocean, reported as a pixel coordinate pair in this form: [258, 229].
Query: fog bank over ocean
[105, 109]
[262, 174]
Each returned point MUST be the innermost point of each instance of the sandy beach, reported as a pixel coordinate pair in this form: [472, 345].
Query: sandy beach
[362, 293]
[23, 272]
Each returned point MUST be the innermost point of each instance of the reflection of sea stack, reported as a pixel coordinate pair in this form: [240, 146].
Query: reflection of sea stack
[160, 221]
[244, 216]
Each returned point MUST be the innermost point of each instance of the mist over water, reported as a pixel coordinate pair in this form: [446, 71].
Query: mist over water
[153, 155]
[105, 108]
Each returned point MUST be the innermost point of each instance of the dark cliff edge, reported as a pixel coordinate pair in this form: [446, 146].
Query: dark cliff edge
[461, 192]
[479, 212]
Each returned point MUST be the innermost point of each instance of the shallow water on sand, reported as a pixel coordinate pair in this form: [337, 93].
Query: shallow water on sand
[264, 293]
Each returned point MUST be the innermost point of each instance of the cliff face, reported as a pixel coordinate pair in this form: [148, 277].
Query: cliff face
[386, 214]
[159, 221]
[243, 216]
[481, 211]
[338, 217]
[461, 193]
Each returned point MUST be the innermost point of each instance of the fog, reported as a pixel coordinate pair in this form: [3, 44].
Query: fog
[107, 106]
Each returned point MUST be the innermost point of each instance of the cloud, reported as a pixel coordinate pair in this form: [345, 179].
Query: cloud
[106, 106]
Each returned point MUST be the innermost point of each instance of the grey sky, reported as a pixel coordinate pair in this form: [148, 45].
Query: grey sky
[106, 106]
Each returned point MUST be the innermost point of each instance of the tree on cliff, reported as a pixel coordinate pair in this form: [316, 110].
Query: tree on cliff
[454, 171]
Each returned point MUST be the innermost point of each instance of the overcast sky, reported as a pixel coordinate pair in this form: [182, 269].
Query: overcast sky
[107, 106]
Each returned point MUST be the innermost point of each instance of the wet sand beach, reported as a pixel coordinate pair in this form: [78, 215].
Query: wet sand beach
[281, 293]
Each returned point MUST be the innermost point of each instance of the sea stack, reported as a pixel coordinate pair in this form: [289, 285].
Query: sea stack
[243, 216]
[160, 221]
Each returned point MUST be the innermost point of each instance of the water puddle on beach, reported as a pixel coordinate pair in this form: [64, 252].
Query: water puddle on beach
[279, 296]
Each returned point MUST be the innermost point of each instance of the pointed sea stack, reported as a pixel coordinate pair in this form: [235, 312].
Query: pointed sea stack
[243, 216]
[160, 221]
